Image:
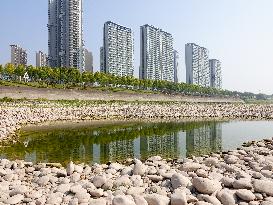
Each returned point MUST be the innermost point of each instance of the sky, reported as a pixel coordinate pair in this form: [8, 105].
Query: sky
[237, 32]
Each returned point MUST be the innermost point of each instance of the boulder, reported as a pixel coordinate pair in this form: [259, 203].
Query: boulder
[178, 180]
[206, 186]
[245, 194]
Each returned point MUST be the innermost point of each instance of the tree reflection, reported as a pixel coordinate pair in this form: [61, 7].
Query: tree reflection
[115, 142]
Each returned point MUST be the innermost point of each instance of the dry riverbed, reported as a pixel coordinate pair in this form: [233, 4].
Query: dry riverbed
[243, 176]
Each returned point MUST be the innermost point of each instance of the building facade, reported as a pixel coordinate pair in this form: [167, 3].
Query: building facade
[176, 64]
[18, 55]
[102, 59]
[41, 59]
[156, 54]
[65, 34]
[117, 54]
[197, 65]
[88, 56]
[215, 73]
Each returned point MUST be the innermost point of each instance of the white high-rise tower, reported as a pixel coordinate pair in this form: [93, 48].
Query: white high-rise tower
[65, 34]
[156, 54]
[197, 65]
[117, 53]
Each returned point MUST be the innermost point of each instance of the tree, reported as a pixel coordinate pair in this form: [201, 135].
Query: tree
[1, 71]
[19, 71]
[9, 70]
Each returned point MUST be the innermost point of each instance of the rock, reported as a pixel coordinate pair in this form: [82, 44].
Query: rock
[226, 197]
[206, 186]
[231, 159]
[61, 173]
[245, 194]
[41, 200]
[74, 201]
[76, 188]
[63, 188]
[78, 169]
[2, 172]
[263, 186]
[100, 201]
[16, 199]
[127, 171]
[139, 168]
[42, 181]
[70, 168]
[203, 203]
[155, 178]
[75, 177]
[54, 199]
[82, 197]
[122, 200]
[156, 199]
[178, 198]
[243, 183]
[135, 190]
[108, 185]
[35, 194]
[19, 189]
[96, 193]
[211, 161]
[227, 182]
[201, 173]
[115, 166]
[267, 203]
[98, 181]
[139, 200]
[210, 199]
[178, 180]
[189, 167]
[122, 181]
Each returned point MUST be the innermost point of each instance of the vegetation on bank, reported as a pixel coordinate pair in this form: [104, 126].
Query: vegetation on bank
[47, 77]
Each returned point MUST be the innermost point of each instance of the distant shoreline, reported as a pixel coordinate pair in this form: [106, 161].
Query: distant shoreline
[106, 95]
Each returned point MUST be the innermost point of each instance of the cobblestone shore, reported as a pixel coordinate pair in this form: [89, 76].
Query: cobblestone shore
[243, 176]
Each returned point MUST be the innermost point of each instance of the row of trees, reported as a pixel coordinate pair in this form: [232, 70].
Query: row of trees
[71, 76]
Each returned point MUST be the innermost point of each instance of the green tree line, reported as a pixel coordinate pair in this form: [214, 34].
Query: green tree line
[72, 76]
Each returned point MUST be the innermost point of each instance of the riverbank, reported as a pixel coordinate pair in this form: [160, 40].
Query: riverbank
[242, 176]
[100, 94]
[13, 115]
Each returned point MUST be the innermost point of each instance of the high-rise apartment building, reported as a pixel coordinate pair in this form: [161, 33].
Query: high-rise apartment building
[215, 73]
[102, 59]
[65, 34]
[197, 65]
[117, 54]
[176, 64]
[156, 54]
[18, 55]
[88, 56]
[41, 59]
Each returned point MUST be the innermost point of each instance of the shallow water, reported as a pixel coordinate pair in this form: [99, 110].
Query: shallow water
[116, 141]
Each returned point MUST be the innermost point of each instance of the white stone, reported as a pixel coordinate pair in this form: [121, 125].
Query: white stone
[122, 200]
[206, 186]
[156, 199]
[178, 180]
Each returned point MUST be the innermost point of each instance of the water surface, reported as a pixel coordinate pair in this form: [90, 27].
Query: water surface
[116, 141]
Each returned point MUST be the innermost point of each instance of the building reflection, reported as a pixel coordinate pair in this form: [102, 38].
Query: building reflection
[165, 146]
[104, 144]
[204, 140]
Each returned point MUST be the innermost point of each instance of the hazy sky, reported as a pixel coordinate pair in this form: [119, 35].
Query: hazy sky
[238, 32]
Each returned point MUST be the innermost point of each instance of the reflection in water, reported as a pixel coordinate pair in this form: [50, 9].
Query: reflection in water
[205, 139]
[116, 142]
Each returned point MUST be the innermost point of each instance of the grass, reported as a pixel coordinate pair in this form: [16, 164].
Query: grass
[262, 102]
[58, 86]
